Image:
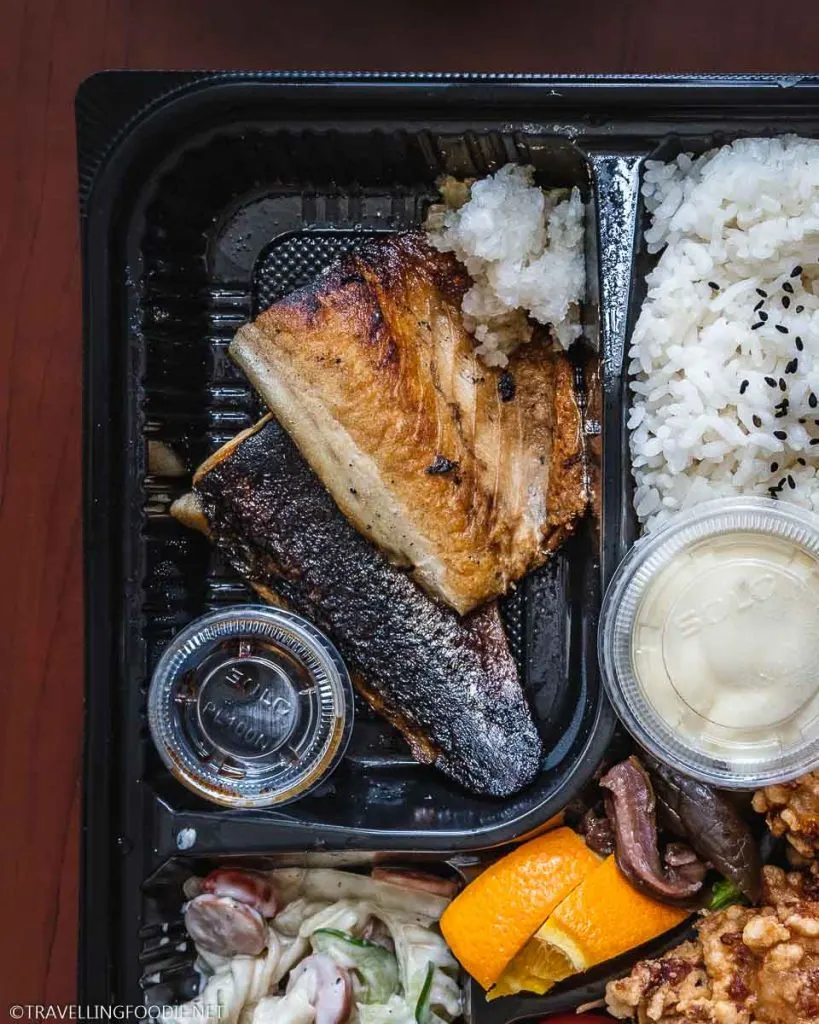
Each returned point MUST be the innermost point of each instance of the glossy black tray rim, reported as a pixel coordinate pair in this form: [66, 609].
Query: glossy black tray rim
[119, 109]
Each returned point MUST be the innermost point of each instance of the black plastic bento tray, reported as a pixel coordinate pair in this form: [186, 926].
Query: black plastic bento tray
[205, 196]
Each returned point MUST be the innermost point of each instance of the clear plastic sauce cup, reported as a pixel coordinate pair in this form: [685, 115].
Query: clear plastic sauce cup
[709, 642]
[251, 706]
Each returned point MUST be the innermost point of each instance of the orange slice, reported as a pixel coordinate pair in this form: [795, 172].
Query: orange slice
[497, 914]
[600, 919]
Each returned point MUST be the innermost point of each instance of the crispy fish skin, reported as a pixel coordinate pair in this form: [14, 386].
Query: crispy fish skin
[449, 684]
[466, 474]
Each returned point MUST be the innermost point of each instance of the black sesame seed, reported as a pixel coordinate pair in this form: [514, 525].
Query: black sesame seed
[803, 421]
[814, 441]
[714, 285]
[780, 435]
[743, 387]
[791, 482]
[757, 421]
[780, 414]
[792, 366]
[506, 387]
[788, 287]
[781, 484]
[440, 466]
[762, 292]
[799, 344]
[785, 301]
[763, 316]
[796, 272]
[816, 423]
[801, 461]
[774, 492]
[781, 328]
[756, 326]
[800, 309]
[812, 400]
[774, 467]
[759, 305]
[771, 382]
[782, 385]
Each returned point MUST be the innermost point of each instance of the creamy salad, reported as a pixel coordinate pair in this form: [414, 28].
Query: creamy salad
[320, 946]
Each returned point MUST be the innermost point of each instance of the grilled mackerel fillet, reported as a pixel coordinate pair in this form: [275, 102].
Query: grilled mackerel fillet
[467, 475]
[449, 684]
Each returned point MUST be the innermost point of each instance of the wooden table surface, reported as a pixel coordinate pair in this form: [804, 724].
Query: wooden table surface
[46, 48]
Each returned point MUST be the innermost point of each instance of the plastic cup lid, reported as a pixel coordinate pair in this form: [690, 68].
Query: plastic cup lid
[709, 642]
[251, 706]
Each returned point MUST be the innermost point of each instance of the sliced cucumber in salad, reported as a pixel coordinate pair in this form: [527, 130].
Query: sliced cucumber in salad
[375, 969]
[423, 1008]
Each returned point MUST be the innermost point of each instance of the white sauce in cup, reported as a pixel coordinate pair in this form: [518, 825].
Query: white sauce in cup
[709, 642]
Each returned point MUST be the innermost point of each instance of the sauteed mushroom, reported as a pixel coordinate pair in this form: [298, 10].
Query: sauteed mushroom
[597, 830]
[630, 806]
[680, 858]
[710, 823]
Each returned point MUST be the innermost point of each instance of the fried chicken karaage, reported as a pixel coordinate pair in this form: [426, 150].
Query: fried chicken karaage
[792, 810]
[748, 966]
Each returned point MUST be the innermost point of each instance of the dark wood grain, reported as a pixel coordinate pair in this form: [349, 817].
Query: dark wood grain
[46, 48]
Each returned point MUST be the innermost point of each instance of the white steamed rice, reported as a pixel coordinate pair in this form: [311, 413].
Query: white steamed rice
[733, 224]
[523, 248]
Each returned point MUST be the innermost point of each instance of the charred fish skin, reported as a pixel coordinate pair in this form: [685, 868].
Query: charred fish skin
[448, 683]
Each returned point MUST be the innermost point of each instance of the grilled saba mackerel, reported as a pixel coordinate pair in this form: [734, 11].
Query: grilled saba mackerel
[447, 682]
